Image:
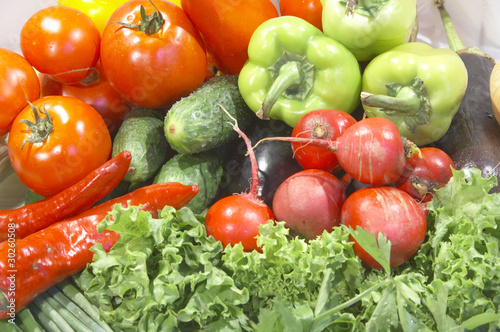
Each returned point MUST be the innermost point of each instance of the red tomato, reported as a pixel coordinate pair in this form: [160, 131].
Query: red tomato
[309, 10]
[236, 219]
[61, 42]
[389, 211]
[227, 26]
[425, 173]
[324, 124]
[95, 91]
[309, 202]
[156, 69]
[18, 85]
[52, 157]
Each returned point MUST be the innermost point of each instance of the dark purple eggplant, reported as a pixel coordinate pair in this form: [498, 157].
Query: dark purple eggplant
[274, 159]
[473, 138]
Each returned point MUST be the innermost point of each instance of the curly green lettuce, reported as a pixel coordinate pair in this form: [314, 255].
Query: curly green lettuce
[162, 274]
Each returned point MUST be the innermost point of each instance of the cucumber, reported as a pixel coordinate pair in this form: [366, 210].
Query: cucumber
[31, 197]
[141, 133]
[197, 123]
[203, 169]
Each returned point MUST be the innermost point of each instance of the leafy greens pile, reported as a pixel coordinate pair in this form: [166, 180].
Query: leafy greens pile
[165, 274]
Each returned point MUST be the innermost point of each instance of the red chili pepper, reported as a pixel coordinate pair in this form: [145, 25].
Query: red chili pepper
[31, 265]
[73, 200]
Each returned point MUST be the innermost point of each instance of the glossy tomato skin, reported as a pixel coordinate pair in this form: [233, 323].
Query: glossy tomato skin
[309, 10]
[238, 224]
[98, 11]
[390, 211]
[61, 42]
[425, 173]
[97, 92]
[309, 202]
[227, 26]
[18, 85]
[327, 124]
[372, 151]
[153, 71]
[78, 143]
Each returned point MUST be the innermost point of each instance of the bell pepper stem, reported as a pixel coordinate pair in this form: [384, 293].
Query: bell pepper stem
[290, 75]
[403, 105]
[410, 102]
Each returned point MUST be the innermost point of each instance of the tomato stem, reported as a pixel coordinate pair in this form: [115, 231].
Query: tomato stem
[41, 128]
[150, 24]
[254, 187]
[329, 144]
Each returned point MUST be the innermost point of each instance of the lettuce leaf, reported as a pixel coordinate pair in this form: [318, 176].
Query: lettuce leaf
[462, 257]
[292, 270]
[163, 273]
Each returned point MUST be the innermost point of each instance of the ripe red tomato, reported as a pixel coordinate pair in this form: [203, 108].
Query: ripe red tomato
[309, 10]
[61, 42]
[157, 68]
[56, 155]
[236, 219]
[327, 124]
[227, 26]
[425, 173]
[18, 85]
[95, 91]
[393, 213]
[309, 202]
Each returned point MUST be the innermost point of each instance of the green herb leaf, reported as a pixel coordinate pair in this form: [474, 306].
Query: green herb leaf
[385, 315]
[378, 247]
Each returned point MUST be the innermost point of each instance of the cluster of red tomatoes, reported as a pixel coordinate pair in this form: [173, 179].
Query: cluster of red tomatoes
[385, 184]
[65, 96]
[85, 62]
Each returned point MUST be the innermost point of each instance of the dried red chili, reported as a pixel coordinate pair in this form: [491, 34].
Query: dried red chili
[45, 258]
[73, 200]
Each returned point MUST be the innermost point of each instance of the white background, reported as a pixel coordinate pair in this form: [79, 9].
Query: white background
[476, 21]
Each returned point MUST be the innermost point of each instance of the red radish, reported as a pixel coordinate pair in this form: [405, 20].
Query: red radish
[390, 211]
[325, 124]
[310, 201]
[426, 172]
[236, 218]
[371, 150]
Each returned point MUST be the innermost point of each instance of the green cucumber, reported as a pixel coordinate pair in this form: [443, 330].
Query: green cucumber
[141, 133]
[198, 123]
[31, 197]
[202, 169]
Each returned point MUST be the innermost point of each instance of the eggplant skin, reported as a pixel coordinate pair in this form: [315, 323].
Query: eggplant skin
[473, 139]
[275, 161]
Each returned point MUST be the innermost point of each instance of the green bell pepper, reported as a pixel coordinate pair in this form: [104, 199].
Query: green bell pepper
[369, 27]
[416, 86]
[293, 68]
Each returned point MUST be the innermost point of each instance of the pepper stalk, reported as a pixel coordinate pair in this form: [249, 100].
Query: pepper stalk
[411, 102]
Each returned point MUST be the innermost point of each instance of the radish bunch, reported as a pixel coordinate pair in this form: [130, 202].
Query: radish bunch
[236, 219]
[370, 151]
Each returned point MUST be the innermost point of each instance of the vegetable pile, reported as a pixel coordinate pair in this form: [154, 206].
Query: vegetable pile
[225, 166]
